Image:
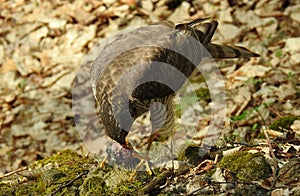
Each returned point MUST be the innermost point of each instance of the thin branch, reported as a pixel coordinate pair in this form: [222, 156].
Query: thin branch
[69, 183]
[14, 172]
[274, 159]
[151, 185]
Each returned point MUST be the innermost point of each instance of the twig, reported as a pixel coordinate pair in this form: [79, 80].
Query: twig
[69, 183]
[13, 172]
[260, 115]
[274, 159]
[151, 185]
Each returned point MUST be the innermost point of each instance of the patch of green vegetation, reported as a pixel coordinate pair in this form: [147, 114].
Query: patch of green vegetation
[114, 181]
[278, 53]
[203, 94]
[253, 81]
[246, 166]
[132, 6]
[242, 116]
[189, 153]
[283, 123]
[94, 184]
[128, 188]
[21, 189]
[230, 138]
[247, 113]
[254, 127]
[22, 83]
[67, 173]
[45, 176]
[197, 79]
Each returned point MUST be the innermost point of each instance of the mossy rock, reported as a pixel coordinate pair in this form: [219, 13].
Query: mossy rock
[67, 173]
[246, 166]
[46, 176]
[283, 123]
[112, 181]
[191, 153]
[93, 185]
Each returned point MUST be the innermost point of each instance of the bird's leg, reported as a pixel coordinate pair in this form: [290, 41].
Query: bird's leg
[103, 162]
[158, 117]
[144, 159]
[151, 138]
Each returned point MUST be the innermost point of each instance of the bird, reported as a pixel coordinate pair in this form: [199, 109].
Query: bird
[145, 77]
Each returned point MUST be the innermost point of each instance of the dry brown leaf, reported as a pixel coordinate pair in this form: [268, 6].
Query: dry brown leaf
[9, 65]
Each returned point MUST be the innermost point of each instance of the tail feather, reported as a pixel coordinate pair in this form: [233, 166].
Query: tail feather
[203, 30]
[225, 51]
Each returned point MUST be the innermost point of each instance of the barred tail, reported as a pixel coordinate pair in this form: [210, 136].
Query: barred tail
[224, 51]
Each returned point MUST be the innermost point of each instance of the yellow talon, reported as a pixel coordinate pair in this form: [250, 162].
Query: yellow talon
[103, 162]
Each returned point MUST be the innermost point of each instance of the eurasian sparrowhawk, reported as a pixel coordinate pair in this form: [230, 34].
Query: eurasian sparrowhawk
[141, 79]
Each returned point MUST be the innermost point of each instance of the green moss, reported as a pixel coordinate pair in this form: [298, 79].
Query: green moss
[128, 188]
[132, 7]
[52, 175]
[59, 169]
[93, 185]
[62, 157]
[243, 116]
[189, 153]
[246, 166]
[203, 94]
[113, 181]
[283, 123]
[72, 174]
[197, 79]
[45, 176]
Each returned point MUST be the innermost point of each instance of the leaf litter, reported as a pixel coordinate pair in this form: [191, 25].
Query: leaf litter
[42, 44]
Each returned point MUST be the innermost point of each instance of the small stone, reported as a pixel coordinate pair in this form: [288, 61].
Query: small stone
[246, 166]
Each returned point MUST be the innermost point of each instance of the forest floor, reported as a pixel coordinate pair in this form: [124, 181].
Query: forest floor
[52, 144]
